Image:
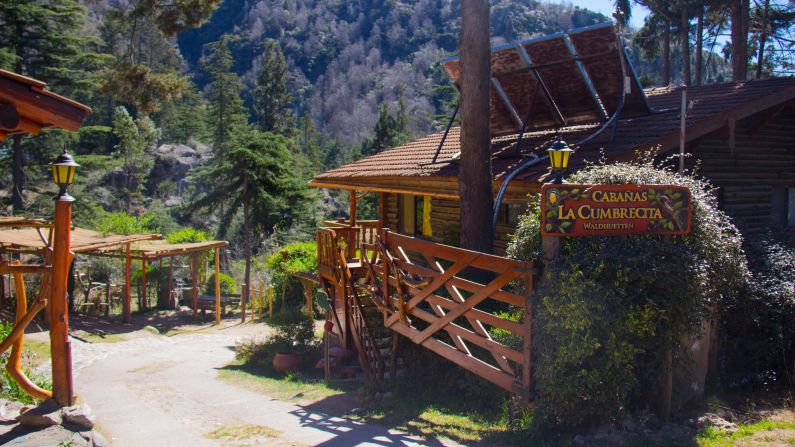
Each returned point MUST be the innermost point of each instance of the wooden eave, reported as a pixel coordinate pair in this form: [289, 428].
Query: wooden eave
[437, 187]
[37, 107]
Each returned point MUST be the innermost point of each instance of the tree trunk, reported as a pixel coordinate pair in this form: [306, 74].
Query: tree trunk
[684, 37]
[18, 175]
[739, 36]
[666, 79]
[700, 47]
[475, 178]
[760, 59]
[247, 244]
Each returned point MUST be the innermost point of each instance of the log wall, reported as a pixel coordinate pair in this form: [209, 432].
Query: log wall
[754, 177]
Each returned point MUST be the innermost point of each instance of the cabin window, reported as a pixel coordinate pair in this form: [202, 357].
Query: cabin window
[791, 207]
[415, 215]
[509, 214]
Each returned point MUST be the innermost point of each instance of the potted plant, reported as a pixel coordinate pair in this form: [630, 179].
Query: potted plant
[295, 332]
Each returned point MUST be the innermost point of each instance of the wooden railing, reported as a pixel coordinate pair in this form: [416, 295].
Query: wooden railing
[440, 297]
[367, 233]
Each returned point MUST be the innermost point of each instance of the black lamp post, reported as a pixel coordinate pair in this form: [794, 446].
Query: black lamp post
[63, 174]
[559, 155]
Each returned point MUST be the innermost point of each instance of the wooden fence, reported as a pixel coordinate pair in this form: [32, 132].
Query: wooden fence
[444, 298]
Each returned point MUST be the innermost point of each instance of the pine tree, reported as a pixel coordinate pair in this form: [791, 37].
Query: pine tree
[256, 176]
[135, 136]
[272, 101]
[45, 40]
[389, 131]
[226, 107]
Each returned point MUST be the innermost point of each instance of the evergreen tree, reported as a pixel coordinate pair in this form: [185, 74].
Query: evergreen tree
[135, 136]
[45, 40]
[185, 119]
[272, 101]
[389, 131]
[255, 175]
[226, 107]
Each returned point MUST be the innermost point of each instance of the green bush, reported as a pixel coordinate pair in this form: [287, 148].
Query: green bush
[293, 332]
[283, 264]
[227, 283]
[613, 306]
[758, 327]
[187, 235]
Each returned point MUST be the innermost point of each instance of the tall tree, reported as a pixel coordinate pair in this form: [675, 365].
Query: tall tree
[146, 74]
[389, 131]
[227, 111]
[740, 13]
[45, 40]
[256, 176]
[135, 137]
[272, 101]
[475, 177]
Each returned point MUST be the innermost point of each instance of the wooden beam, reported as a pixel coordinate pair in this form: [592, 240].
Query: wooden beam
[144, 296]
[127, 286]
[194, 277]
[353, 208]
[42, 106]
[217, 287]
[381, 210]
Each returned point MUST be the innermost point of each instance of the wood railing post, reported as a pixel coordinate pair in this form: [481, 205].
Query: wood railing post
[60, 346]
[217, 287]
[194, 279]
[144, 294]
[127, 290]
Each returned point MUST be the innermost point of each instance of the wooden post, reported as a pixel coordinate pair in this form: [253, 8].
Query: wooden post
[353, 208]
[270, 301]
[127, 280]
[381, 210]
[194, 278]
[261, 298]
[243, 290]
[145, 297]
[170, 285]
[217, 287]
[309, 295]
[60, 347]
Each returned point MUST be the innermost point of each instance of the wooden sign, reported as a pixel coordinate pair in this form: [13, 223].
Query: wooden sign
[614, 210]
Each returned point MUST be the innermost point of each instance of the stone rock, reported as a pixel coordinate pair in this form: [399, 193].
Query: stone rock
[579, 440]
[50, 436]
[97, 440]
[80, 416]
[46, 414]
[388, 395]
[9, 411]
[715, 421]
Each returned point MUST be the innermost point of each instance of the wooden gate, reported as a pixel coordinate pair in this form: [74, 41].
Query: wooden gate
[447, 299]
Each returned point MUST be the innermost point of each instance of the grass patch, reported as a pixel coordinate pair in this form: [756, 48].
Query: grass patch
[40, 349]
[94, 337]
[292, 388]
[759, 433]
[241, 432]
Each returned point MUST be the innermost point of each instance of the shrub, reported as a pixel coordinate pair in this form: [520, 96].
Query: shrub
[612, 306]
[291, 259]
[758, 345]
[227, 283]
[293, 332]
[187, 235]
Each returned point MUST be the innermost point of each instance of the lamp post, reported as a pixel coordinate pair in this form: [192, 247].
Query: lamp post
[559, 154]
[63, 173]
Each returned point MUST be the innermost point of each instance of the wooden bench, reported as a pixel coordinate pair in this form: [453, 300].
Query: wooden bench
[207, 302]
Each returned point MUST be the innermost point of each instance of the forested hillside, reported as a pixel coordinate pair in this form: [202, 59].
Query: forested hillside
[346, 58]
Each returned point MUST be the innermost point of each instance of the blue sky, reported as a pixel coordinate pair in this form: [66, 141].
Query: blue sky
[606, 7]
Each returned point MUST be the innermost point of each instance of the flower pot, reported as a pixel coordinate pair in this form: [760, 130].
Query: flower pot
[286, 362]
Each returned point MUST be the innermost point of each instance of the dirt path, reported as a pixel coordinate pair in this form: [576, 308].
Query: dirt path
[156, 390]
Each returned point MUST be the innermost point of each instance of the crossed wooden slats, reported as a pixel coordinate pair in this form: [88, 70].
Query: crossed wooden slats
[399, 273]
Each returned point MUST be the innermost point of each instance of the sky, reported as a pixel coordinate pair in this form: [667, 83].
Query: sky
[607, 8]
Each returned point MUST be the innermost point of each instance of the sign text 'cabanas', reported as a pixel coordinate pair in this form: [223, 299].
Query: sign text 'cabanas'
[591, 210]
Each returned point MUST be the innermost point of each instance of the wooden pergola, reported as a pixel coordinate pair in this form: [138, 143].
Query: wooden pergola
[33, 236]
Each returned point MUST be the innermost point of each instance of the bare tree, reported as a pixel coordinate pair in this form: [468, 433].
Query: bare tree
[475, 178]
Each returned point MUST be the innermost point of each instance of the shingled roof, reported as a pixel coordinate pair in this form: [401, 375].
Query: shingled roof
[712, 107]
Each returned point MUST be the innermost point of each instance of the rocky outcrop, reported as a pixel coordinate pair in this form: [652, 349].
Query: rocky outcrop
[47, 424]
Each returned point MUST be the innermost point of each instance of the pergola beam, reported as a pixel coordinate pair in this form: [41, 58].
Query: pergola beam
[585, 77]
[506, 102]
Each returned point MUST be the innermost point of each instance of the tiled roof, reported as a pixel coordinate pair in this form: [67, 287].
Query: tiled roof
[710, 108]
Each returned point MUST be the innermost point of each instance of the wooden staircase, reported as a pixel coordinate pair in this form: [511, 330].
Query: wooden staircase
[434, 295]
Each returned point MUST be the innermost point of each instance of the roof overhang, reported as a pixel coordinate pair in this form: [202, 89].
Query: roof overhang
[30, 107]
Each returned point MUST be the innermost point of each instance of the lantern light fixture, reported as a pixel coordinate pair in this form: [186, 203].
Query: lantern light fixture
[559, 154]
[63, 174]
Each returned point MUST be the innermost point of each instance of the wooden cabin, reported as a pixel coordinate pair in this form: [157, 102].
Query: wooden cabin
[578, 86]
[740, 134]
